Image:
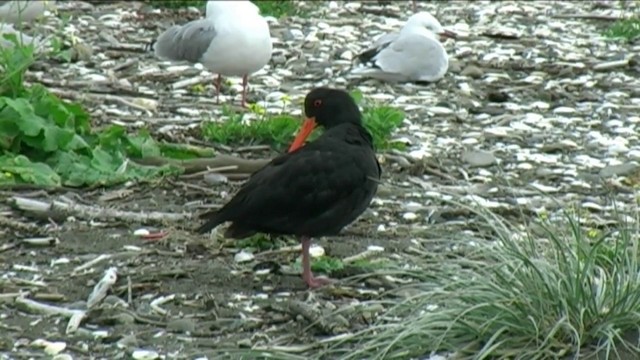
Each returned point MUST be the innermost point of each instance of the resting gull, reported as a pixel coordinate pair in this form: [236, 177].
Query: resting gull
[412, 55]
[232, 40]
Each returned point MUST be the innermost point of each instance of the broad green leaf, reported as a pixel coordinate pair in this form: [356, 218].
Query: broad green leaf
[56, 138]
[30, 124]
[23, 170]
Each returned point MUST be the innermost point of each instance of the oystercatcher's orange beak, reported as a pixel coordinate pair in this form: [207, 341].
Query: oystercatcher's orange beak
[306, 130]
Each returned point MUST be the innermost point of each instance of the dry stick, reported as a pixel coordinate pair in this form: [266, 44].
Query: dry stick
[588, 16]
[93, 212]
[244, 166]
[75, 316]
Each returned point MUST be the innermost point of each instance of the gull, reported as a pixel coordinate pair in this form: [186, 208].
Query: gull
[19, 11]
[232, 40]
[412, 55]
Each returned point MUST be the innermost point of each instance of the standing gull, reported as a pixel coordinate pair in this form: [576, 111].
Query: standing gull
[232, 40]
[413, 54]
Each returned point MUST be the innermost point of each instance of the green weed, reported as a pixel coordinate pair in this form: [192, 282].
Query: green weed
[627, 29]
[278, 131]
[275, 8]
[47, 141]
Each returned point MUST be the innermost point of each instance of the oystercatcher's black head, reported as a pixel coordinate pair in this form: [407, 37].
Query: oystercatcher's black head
[326, 107]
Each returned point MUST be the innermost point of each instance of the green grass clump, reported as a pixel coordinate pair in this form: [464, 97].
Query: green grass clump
[278, 131]
[572, 293]
[275, 8]
[627, 29]
[49, 142]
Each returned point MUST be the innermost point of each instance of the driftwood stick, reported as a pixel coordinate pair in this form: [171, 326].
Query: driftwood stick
[93, 212]
[242, 166]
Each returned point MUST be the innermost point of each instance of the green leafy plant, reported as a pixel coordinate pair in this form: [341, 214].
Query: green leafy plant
[627, 29]
[47, 141]
[275, 8]
[278, 131]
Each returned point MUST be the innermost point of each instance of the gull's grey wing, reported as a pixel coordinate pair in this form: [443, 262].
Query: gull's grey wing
[378, 45]
[187, 42]
[414, 56]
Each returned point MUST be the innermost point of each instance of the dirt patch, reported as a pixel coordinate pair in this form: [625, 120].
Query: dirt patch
[182, 294]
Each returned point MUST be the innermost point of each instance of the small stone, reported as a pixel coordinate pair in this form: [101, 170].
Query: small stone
[619, 170]
[54, 348]
[472, 71]
[181, 325]
[128, 341]
[478, 158]
[141, 232]
[215, 179]
[124, 318]
[316, 251]
[243, 256]
[145, 355]
[62, 357]
[409, 216]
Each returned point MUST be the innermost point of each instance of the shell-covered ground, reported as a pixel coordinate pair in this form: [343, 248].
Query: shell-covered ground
[538, 112]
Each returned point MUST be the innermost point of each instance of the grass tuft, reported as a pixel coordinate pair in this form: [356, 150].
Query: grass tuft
[627, 29]
[278, 131]
[570, 293]
[275, 8]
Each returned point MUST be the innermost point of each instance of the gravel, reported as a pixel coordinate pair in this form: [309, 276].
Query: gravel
[538, 110]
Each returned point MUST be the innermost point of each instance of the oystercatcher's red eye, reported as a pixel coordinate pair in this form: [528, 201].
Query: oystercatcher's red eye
[317, 103]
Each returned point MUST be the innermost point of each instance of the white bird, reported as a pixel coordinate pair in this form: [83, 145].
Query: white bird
[232, 40]
[21, 38]
[18, 11]
[414, 54]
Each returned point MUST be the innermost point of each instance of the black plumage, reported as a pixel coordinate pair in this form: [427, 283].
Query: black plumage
[315, 190]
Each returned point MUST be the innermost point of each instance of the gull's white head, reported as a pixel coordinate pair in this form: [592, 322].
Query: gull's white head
[424, 20]
[216, 8]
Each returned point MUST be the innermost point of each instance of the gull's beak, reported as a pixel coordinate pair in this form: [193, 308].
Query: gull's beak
[447, 34]
[306, 130]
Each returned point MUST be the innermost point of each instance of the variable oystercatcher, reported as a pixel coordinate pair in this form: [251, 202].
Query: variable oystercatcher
[313, 190]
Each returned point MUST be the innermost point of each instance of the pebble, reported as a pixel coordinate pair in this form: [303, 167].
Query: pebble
[243, 256]
[145, 355]
[409, 216]
[478, 158]
[619, 170]
[181, 325]
[215, 178]
[316, 251]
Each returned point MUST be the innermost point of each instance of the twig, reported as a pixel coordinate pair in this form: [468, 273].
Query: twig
[102, 287]
[244, 166]
[17, 225]
[75, 316]
[209, 171]
[155, 304]
[92, 262]
[46, 241]
[93, 212]
[588, 16]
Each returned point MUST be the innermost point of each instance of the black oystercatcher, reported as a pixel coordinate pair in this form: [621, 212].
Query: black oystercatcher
[313, 190]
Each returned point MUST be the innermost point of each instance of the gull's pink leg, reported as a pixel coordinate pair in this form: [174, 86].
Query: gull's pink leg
[245, 81]
[307, 275]
[218, 84]
[415, 5]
